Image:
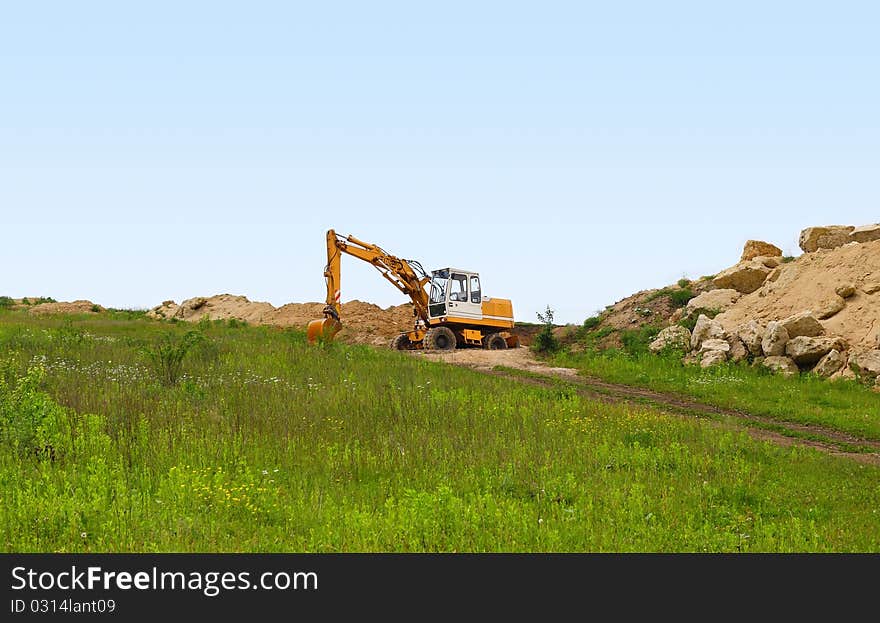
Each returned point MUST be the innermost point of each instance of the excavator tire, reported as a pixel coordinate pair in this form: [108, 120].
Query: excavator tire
[440, 338]
[401, 342]
[494, 341]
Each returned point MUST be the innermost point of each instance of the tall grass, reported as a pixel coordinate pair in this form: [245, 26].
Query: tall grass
[267, 444]
[844, 405]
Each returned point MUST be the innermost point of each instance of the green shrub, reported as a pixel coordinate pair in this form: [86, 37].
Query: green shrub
[545, 341]
[680, 298]
[30, 421]
[6, 302]
[636, 341]
[592, 322]
[167, 355]
[683, 282]
[787, 259]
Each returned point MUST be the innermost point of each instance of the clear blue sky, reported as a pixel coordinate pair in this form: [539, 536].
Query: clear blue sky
[572, 152]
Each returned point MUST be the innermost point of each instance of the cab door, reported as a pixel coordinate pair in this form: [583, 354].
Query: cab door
[465, 297]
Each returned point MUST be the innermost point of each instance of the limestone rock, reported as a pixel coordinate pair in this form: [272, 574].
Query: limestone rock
[718, 300]
[870, 287]
[845, 290]
[194, 303]
[775, 337]
[745, 277]
[829, 237]
[674, 337]
[738, 350]
[712, 358]
[781, 365]
[774, 275]
[756, 248]
[831, 307]
[865, 233]
[866, 364]
[714, 344]
[705, 329]
[751, 333]
[805, 351]
[804, 323]
[829, 364]
[769, 261]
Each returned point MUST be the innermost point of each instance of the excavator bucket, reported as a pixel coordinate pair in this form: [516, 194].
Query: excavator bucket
[324, 330]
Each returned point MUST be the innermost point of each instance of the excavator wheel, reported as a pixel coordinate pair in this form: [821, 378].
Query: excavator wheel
[494, 341]
[401, 342]
[440, 338]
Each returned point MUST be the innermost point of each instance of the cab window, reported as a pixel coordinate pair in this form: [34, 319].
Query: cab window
[458, 288]
[476, 296]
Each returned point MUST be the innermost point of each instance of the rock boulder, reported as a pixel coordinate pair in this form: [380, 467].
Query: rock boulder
[714, 344]
[675, 337]
[828, 237]
[717, 300]
[738, 350]
[829, 364]
[845, 290]
[831, 307]
[865, 233]
[756, 248]
[775, 337]
[705, 329]
[745, 277]
[712, 358]
[866, 364]
[781, 365]
[805, 351]
[751, 333]
[804, 323]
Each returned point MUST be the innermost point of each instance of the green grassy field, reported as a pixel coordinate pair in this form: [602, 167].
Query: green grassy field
[843, 405]
[267, 444]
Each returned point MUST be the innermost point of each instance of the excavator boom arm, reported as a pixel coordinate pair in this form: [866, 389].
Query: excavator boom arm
[406, 275]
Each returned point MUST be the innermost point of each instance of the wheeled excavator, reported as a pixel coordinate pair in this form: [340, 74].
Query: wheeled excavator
[449, 308]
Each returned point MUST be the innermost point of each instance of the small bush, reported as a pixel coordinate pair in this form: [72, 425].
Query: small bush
[167, 355]
[635, 341]
[656, 295]
[545, 341]
[689, 323]
[787, 259]
[592, 322]
[6, 302]
[680, 298]
[30, 421]
[683, 282]
[95, 308]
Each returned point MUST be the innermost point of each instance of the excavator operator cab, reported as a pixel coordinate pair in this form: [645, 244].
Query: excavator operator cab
[455, 293]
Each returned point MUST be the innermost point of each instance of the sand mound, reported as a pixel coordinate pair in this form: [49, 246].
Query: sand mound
[75, 307]
[363, 323]
[810, 283]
